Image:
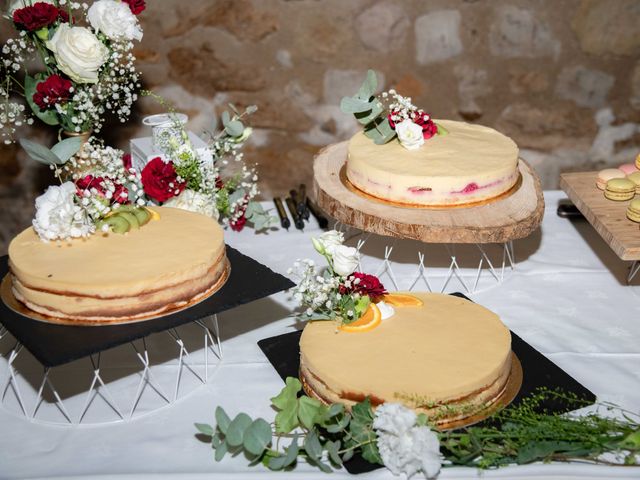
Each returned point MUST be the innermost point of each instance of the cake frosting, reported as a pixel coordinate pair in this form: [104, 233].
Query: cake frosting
[449, 353]
[471, 163]
[168, 263]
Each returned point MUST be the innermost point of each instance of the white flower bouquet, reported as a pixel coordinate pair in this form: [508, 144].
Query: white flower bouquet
[86, 61]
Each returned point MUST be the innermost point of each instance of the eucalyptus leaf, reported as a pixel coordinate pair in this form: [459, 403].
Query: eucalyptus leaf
[67, 148]
[221, 451]
[369, 86]
[40, 153]
[236, 430]
[225, 118]
[276, 463]
[234, 128]
[216, 439]
[333, 448]
[312, 445]
[48, 116]
[370, 115]
[205, 429]
[222, 420]
[257, 436]
[348, 455]
[355, 105]
[292, 452]
[251, 109]
[335, 409]
[237, 195]
[341, 425]
[318, 463]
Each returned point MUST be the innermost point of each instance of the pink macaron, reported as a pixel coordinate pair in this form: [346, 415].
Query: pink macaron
[608, 174]
[628, 168]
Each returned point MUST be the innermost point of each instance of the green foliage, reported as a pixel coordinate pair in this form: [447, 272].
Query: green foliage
[57, 155]
[369, 111]
[49, 116]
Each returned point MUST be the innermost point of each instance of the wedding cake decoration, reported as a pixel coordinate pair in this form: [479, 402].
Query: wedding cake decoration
[404, 156]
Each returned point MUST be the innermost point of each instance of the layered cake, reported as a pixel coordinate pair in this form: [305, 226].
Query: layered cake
[471, 163]
[171, 262]
[446, 356]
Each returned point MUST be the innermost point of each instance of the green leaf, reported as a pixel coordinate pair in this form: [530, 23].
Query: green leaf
[205, 429]
[48, 116]
[234, 128]
[40, 153]
[67, 148]
[221, 451]
[370, 115]
[292, 452]
[309, 411]
[251, 109]
[355, 105]
[225, 117]
[348, 455]
[362, 412]
[369, 86]
[276, 463]
[333, 448]
[287, 420]
[340, 426]
[371, 454]
[335, 409]
[216, 439]
[422, 420]
[236, 430]
[257, 436]
[312, 445]
[441, 130]
[222, 420]
[288, 395]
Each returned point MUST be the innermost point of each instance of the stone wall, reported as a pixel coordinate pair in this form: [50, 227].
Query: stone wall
[562, 77]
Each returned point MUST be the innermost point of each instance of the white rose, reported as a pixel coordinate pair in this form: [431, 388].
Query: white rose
[326, 242]
[18, 4]
[194, 202]
[57, 215]
[409, 134]
[114, 19]
[345, 260]
[78, 53]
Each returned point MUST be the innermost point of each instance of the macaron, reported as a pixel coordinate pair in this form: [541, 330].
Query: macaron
[607, 174]
[633, 210]
[635, 178]
[628, 168]
[620, 189]
[638, 162]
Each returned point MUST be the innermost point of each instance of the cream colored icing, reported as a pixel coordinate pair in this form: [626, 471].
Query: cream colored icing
[470, 164]
[446, 349]
[181, 252]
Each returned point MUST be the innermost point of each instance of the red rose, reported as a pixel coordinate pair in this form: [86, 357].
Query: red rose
[54, 90]
[136, 6]
[126, 161]
[160, 180]
[36, 16]
[364, 284]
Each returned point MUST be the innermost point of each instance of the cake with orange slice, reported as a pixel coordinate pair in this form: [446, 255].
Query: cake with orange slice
[174, 260]
[439, 354]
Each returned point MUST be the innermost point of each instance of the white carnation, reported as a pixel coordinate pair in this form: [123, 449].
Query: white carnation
[194, 202]
[410, 134]
[78, 52]
[394, 418]
[114, 19]
[57, 215]
[344, 260]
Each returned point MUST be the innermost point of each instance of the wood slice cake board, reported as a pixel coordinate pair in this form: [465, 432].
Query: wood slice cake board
[513, 215]
[607, 216]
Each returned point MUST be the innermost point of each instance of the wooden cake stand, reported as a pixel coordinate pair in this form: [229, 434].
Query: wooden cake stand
[513, 215]
[607, 217]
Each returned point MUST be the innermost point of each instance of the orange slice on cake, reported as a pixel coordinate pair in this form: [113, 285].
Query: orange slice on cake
[402, 300]
[369, 320]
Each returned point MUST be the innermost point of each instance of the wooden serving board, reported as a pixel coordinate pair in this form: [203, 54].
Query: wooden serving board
[513, 215]
[607, 217]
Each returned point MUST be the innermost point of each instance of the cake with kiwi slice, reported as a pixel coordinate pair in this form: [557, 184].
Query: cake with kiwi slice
[141, 262]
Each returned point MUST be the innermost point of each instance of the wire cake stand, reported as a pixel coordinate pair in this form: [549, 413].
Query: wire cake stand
[487, 229]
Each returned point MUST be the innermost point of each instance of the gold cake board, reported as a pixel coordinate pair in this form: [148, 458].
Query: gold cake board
[510, 216]
[512, 387]
[9, 299]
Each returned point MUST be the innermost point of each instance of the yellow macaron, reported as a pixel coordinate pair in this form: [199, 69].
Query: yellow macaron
[635, 178]
[620, 189]
[633, 210]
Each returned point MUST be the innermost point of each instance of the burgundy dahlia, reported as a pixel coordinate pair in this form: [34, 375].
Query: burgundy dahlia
[54, 90]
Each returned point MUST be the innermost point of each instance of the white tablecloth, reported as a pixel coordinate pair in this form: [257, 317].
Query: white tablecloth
[567, 297]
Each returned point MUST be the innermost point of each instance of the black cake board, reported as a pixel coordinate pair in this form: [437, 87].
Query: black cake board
[283, 352]
[53, 344]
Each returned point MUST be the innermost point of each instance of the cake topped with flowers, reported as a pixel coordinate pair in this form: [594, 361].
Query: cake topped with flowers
[404, 156]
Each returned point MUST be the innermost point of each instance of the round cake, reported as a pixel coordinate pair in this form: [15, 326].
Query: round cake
[166, 264]
[449, 358]
[471, 163]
